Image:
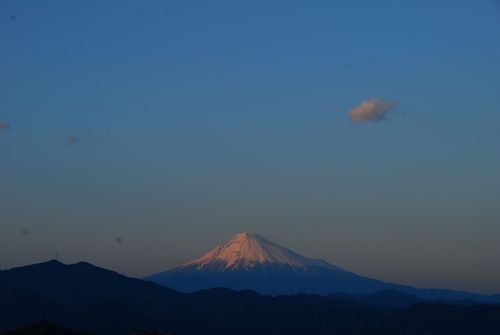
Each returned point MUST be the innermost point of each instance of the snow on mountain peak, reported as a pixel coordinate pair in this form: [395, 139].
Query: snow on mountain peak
[246, 250]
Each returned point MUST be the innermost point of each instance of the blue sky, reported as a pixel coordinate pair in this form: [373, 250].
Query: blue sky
[195, 120]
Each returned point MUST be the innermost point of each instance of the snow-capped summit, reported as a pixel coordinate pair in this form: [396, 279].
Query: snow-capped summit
[247, 250]
[249, 261]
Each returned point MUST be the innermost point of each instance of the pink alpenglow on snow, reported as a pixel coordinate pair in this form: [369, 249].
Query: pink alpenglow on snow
[246, 250]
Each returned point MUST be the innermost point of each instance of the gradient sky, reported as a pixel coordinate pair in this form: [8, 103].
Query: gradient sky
[138, 135]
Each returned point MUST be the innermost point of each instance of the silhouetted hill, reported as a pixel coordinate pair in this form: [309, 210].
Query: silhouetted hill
[397, 300]
[81, 283]
[82, 296]
[92, 300]
[390, 299]
[443, 319]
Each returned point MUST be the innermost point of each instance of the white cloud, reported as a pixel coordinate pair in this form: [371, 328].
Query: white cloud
[370, 110]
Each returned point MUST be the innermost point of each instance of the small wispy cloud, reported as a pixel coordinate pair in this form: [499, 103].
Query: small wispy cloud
[72, 140]
[4, 126]
[371, 110]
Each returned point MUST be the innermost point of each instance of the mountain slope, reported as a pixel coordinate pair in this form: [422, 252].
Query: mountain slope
[249, 261]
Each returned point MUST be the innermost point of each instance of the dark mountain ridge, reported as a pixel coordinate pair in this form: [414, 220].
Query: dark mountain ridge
[92, 300]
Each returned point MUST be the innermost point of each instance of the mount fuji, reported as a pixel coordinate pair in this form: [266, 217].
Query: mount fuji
[249, 261]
